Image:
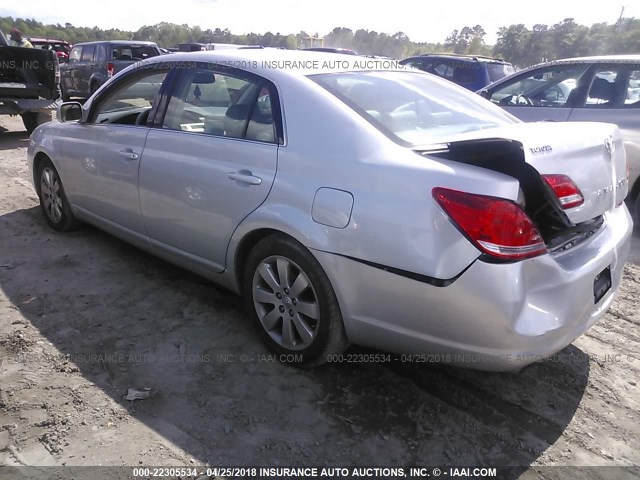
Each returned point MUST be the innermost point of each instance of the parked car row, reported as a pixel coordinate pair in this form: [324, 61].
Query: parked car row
[392, 209]
[60, 47]
[91, 64]
[472, 72]
[29, 79]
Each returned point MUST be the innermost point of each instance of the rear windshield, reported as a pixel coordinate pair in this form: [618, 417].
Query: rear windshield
[133, 52]
[499, 70]
[413, 108]
[56, 47]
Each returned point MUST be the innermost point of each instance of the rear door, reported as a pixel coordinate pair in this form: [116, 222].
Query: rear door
[85, 69]
[544, 94]
[211, 163]
[69, 72]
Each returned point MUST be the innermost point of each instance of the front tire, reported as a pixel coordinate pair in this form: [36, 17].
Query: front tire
[53, 200]
[31, 120]
[636, 211]
[291, 301]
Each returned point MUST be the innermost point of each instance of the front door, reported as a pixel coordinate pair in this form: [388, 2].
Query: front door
[106, 174]
[543, 94]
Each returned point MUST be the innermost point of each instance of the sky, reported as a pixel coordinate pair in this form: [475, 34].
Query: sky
[421, 20]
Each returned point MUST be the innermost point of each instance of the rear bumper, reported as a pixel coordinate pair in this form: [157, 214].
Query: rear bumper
[494, 316]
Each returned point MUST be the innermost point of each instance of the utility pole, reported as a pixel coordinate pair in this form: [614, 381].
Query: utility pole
[619, 22]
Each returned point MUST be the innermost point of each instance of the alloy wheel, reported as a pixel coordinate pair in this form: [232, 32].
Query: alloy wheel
[51, 194]
[286, 303]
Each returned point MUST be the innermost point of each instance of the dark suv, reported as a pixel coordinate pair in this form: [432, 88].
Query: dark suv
[471, 72]
[93, 63]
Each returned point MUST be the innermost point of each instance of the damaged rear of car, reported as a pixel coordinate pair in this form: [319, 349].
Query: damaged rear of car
[551, 239]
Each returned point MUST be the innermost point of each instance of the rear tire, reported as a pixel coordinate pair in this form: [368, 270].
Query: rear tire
[291, 301]
[31, 120]
[53, 200]
[636, 211]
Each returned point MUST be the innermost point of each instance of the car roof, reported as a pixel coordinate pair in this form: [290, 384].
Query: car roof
[117, 42]
[51, 40]
[599, 59]
[453, 56]
[272, 63]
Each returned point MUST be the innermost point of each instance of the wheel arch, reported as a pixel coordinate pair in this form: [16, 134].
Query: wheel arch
[38, 159]
[635, 190]
[243, 246]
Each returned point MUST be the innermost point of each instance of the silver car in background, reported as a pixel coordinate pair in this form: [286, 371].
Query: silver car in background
[386, 208]
[588, 89]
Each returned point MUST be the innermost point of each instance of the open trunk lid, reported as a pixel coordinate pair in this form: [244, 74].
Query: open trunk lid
[591, 154]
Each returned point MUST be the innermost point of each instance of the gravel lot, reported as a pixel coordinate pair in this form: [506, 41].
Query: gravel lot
[84, 317]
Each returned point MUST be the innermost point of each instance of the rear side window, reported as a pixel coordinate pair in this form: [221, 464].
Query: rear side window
[222, 105]
[632, 96]
[101, 53]
[467, 72]
[133, 52]
[602, 91]
[87, 53]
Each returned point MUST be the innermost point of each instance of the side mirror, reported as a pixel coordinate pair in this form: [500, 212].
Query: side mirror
[484, 93]
[70, 112]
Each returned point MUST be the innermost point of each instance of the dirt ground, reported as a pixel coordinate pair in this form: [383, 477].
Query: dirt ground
[84, 317]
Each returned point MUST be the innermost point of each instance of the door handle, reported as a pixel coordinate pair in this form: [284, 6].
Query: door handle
[129, 155]
[245, 177]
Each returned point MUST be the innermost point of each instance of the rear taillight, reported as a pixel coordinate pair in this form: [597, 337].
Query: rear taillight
[110, 69]
[57, 72]
[496, 226]
[567, 192]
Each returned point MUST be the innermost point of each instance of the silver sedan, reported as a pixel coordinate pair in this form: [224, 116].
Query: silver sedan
[350, 202]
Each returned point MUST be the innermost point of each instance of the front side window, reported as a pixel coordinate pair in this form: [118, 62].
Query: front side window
[221, 105]
[546, 87]
[124, 103]
[74, 56]
[133, 52]
[412, 108]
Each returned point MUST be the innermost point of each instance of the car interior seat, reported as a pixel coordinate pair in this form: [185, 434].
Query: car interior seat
[604, 90]
[235, 120]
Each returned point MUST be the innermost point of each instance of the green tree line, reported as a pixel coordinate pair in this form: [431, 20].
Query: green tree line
[518, 44]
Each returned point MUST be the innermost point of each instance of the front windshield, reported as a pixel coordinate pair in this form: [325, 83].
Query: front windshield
[412, 107]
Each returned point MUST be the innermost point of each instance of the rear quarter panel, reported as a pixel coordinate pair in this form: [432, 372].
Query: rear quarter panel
[394, 221]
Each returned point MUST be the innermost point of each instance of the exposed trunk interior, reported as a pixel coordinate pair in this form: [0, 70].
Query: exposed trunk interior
[540, 202]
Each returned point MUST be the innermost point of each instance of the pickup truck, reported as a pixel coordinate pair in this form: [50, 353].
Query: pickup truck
[29, 83]
[91, 64]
